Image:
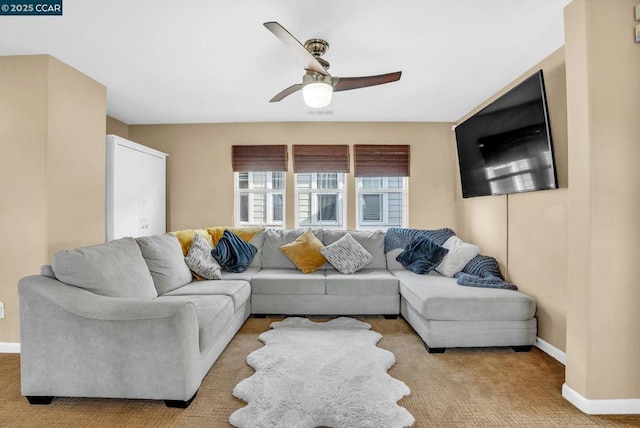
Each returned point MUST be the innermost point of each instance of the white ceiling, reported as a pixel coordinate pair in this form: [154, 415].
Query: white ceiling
[193, 61]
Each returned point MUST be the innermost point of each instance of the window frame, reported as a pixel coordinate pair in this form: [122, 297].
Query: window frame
[315, 192]
[267, 193]
[384, 191]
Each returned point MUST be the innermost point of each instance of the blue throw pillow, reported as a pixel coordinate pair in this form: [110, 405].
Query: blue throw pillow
[233, 253]
[422, 254]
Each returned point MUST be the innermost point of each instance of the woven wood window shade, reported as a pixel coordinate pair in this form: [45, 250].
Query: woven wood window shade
[259, 158]
[381, 160]
[324, 158]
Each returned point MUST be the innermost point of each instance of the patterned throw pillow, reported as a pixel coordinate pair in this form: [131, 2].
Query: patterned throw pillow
[199, 259]
[422, 255]
[305, 253]
[233, 253]
[460, 253]
[347, 255]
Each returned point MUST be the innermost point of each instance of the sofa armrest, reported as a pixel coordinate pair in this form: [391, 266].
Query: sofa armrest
[77, 343]
[89, 305]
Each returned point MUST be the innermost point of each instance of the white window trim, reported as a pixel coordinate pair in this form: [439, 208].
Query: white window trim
[368, 225]
[314, 191]
[251, 191]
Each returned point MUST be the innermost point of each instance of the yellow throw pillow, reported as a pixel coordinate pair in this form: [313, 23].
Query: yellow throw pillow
[216, 233]
[245, 233]
[304, 252]
[186, 236]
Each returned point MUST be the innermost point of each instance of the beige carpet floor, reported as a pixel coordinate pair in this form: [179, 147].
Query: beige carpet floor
[492, 387]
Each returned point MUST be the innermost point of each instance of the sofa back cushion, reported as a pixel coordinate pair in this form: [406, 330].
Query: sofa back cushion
[258, 242]
[114, 269]
[163, 255]
[392, 259]
[372, 241]
[272, 257]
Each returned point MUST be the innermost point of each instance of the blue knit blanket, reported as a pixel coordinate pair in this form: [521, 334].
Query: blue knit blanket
[487, 281]
[400, 237]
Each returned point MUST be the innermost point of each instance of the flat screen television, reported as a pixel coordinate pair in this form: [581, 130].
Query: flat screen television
[506, 147]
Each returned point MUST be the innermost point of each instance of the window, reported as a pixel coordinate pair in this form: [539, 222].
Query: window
[382, 173]
[320, 200]
[320, 185]
[382, 202]
[259, 177]
[260, 198]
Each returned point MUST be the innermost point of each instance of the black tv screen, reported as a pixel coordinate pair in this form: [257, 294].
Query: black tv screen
[506, 147]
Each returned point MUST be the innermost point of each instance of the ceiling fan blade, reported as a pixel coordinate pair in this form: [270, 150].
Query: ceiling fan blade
[347, 83]
[290, 90]
[308, 61]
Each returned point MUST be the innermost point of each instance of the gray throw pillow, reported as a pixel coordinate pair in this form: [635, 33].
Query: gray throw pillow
[114, 269]
[164, 258]
[372, 241]
[347, 255]
[200, 260]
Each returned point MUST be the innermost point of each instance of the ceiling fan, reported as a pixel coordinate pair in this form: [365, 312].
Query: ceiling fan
[317, 84]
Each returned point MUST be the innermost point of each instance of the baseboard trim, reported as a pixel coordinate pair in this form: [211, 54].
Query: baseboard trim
[630, 406]
[9, 348]
[548, 348]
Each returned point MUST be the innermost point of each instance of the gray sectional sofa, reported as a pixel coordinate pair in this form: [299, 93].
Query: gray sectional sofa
[125, 319]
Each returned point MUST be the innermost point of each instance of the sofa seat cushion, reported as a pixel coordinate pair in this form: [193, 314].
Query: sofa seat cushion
[242, 276]
[365, 282]
[239, 291]
[288, 281]
[437, 297]
[213, 314]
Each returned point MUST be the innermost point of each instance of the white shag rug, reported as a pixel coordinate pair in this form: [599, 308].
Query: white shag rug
[312, 374]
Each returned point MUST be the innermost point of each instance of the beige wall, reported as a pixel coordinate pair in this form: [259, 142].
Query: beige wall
[527, 232]
[75, 158]
[23, 214]
[116, 127]
[603, 320]
[52, 169]
[200, 179]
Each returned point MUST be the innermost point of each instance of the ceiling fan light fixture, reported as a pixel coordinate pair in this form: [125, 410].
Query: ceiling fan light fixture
[317, 94]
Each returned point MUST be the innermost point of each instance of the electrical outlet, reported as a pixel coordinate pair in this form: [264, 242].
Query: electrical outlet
[1, 310]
